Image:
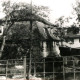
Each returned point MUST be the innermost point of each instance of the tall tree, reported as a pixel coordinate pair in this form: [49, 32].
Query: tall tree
[73, 29]
[9, 9]
[77, 9]
[60, 23]
[42, 11]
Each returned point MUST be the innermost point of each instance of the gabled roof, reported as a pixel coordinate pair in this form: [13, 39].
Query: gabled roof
[43, 30]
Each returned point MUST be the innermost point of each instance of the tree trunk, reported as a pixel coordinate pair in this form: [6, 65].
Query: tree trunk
[2, 46]
[4, 37]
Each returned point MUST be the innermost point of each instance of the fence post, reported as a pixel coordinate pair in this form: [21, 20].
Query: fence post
[63, 69]
[24, 62]
[44, 68]
[74, 69]
[6, 68]
[53, 71]
[34, 69]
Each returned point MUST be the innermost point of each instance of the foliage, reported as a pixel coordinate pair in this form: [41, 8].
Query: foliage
[42, 11]
[77, 9]
[20, 31]
[73, 30]
[60, 21]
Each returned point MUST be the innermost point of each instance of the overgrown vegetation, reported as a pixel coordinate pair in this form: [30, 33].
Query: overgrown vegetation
[19, 31]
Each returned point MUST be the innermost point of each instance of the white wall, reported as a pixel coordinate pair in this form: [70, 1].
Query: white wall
[76, 43]
[1, 30]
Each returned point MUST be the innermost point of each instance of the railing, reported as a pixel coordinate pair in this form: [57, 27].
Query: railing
[64, 68]
[50, 68]
[12, 69]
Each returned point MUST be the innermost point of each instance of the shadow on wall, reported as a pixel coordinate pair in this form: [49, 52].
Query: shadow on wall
[67, 51]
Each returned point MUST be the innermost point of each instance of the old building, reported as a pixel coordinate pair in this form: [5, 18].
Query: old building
[73, 40]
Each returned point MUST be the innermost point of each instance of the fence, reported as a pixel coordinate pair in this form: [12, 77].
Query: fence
[55, 68]
[12, 69]
[51, 68]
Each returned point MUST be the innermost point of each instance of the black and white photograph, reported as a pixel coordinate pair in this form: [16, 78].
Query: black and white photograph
[39, 39]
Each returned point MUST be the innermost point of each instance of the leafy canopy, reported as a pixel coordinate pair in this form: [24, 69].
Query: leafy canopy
[42, 11]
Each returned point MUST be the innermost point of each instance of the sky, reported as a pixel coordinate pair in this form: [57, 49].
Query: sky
[58, 8]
